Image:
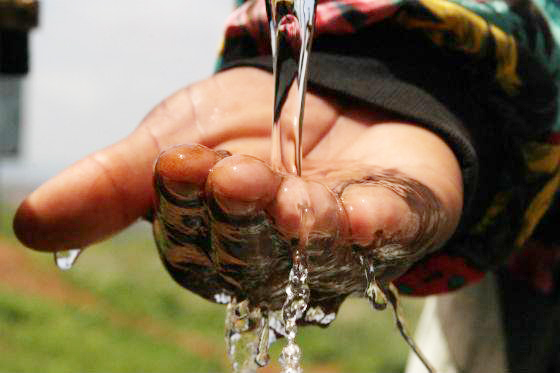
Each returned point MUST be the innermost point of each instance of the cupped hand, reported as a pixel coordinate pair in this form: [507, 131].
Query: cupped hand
[372, 185]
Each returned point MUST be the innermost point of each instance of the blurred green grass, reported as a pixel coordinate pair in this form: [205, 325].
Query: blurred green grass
[136, 319]
[39, 336]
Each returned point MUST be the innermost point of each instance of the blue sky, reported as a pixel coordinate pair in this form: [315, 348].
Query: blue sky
[99, 66]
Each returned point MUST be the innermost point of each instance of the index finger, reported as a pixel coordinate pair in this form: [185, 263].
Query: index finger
[108, 190]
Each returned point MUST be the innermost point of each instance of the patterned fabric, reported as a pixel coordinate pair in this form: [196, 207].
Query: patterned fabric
[512, 43]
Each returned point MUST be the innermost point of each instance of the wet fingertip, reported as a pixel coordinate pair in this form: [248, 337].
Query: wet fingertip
[187, 164]
[292, 200]
[330, 221]
[241, 185]
[327, 207]
[373, 209]
[183, 169]
[30, 230]
[23, 224]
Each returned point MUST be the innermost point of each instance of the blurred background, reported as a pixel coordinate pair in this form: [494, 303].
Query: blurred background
[95, 69]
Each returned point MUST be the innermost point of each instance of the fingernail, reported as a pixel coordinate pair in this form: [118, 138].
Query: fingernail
[236, 207]
[180, 188]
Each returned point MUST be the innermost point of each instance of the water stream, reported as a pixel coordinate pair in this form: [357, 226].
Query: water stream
[297, 297]
[391, 294]
[379, 295]
[291, 33]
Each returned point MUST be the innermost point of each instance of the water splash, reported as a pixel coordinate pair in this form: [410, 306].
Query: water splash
[247, 337]
[66, 259]
[318, 316]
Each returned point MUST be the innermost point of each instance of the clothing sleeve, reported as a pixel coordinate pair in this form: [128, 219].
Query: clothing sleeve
[483, 80]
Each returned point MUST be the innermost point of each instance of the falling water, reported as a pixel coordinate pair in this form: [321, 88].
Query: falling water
[294, 307]
[291, 34]
[297, 297]
[379, 295]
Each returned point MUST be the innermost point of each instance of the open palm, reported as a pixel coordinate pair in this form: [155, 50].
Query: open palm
[371, 185]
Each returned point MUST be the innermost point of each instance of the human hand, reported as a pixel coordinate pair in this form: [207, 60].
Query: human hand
[376, 186]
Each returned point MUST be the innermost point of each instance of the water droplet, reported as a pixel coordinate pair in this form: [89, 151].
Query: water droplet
[222, 298]
[373, 292]
[66, 259]
[379, 296]
[290, 358]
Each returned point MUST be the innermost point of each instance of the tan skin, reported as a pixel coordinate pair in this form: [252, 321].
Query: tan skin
[107, 191]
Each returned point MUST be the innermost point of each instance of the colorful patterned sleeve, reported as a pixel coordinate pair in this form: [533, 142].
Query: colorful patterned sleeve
[484, 75]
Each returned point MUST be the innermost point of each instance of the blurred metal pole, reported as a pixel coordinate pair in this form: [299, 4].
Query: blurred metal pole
[10, 109]
[17, 18]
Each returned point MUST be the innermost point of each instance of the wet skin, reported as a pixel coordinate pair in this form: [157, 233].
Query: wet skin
[375, 186]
